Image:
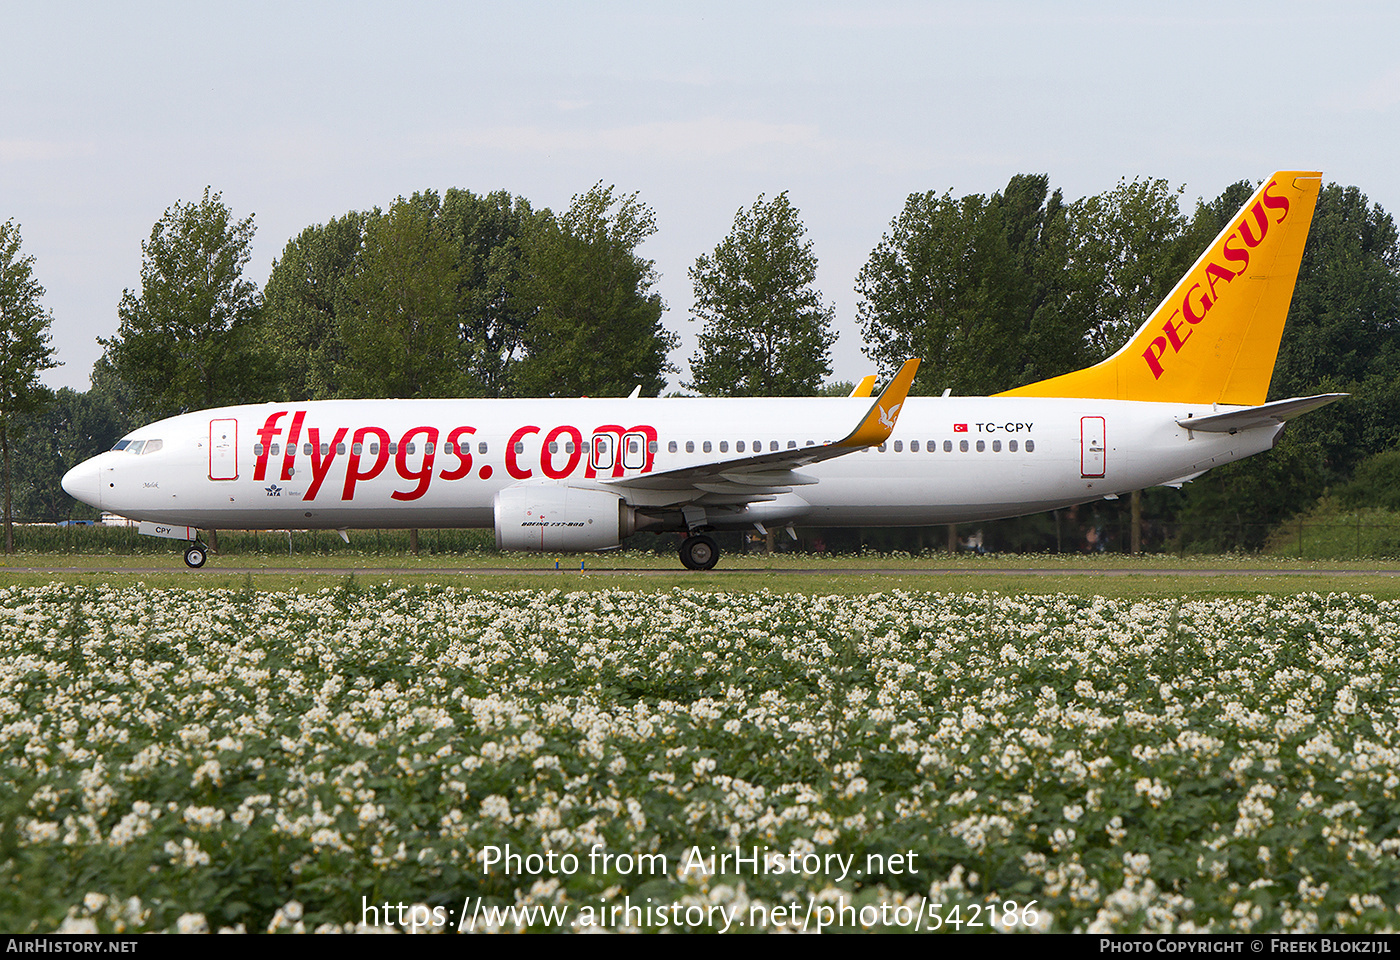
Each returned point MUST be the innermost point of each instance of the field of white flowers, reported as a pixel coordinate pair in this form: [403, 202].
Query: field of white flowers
[184, 759]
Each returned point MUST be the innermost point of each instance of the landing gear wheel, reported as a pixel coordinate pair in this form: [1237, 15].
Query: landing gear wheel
[699, 553]
[195, 555]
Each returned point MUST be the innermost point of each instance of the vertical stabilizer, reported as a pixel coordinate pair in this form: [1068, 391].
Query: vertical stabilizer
[1215, 337]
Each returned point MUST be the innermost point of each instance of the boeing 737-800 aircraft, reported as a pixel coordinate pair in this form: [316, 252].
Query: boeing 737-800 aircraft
[1187, 393]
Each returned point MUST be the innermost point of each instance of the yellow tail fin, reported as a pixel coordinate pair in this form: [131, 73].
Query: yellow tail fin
[1215, 337]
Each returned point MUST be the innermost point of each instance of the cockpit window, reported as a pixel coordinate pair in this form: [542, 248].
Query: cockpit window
[138, 446]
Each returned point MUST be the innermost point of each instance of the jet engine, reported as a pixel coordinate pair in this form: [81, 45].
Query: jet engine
[556, 516]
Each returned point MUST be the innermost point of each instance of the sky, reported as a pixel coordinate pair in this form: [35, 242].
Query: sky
[299, 112]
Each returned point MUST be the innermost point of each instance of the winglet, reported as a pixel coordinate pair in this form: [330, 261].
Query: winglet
[879, 423]
[865, 388]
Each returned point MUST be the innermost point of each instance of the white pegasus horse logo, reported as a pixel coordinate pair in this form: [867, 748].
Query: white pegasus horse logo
[887, 417]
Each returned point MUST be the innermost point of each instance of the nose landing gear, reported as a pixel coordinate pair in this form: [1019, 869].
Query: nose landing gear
[195, 555]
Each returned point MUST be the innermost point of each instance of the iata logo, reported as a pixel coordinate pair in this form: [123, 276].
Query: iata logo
[1203, 294]
[274, 491]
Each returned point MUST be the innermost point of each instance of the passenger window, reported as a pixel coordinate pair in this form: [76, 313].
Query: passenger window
[374, 449]
[706, 446]
[772, 444]
[357, 448]
[276, 449]
[739, 447]
[882, 448]
[481, 447]
[651, 446]
[553, 447]
[899, 446]
[306, 449]
[996, 446]
[257, 449]
[519, 447]
[1030, 446]
[428, 448]
[981, 446]
[948, 446]
[962, 446]
[1011, 445]
[449, 448]
[724, 446]
[340, 448]
[792, 444]
[913, 446]
[672, 446]
[690, 446]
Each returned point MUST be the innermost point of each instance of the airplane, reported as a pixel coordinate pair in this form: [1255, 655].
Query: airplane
[1185, 394]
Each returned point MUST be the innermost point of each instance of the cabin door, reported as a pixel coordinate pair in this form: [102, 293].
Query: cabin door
[223, 449]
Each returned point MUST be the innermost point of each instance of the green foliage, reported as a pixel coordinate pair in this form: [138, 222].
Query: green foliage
[767, 332]
[971, 286]
[593, 323]
[187, 340]
[1232, 507]
[25, 351]
[487, 231]
[1128, 250]
[1333, 529]
[301, 303]
[25, 342]
[1376, 483]
[398, 317]
[59, 437]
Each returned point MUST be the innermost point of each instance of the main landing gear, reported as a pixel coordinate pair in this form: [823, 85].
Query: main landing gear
[699, 552]
[195, 555]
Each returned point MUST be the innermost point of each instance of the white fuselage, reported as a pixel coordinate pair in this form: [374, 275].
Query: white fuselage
[348, 464]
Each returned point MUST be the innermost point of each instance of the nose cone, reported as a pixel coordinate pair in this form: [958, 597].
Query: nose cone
[84, 482]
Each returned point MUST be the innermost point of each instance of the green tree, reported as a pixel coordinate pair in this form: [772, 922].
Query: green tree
[300, 320]
[1129, 247]
[74, 427]
[487, 231]
[25, 351]
[973, 287]
[767, 332]
[187, 341]
[398, 314]
[593, 322]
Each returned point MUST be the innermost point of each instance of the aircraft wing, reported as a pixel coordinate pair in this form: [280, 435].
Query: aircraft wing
[1260, 416]
[763, 476]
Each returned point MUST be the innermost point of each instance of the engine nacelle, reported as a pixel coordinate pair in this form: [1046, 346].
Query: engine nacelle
[555, 516]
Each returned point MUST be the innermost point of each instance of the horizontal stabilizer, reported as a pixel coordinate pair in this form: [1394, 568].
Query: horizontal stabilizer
[1261, 416]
